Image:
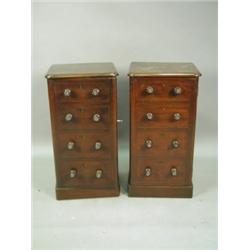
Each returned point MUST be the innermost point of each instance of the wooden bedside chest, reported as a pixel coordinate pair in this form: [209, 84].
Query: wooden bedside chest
[162, 128]
[83, 108]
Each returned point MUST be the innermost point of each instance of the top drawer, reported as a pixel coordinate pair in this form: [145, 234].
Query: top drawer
[94, 90]
[163, 89]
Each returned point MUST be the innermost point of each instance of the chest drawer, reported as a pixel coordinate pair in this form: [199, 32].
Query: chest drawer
[162, 116]
[79, 116]
[159, 172]
[87, 91]
[153, 143]
[149, 89]
[86, 174]
[86, 145]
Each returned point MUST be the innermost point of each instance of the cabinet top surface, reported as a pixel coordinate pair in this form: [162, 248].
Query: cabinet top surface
[81, 70]
[163, 69]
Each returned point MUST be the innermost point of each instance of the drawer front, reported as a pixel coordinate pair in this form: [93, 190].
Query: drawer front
[95, 174]
[86, 145]
[163, 89]
[78, 116]
[162, 116]
[155, 143]
[89, 91]
[159, 172]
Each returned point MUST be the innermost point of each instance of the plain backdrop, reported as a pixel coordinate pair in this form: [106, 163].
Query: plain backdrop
[122, 33]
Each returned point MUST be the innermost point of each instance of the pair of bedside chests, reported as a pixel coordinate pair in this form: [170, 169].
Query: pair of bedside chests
[83, 108]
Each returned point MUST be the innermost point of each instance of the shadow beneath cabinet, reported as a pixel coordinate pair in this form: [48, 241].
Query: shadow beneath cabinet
[123, 179]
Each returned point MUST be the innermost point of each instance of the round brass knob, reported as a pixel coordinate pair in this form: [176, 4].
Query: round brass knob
[95, 92]
[98, 173]
[148, 143]
[67, 92]
[72, 173]
[150, 90]
[68, 117]
[71, 145]
[173, 171]
[177, 116]
[98, 145]
[96, 117]
[147, 171]
[175, 144]
[149, 116]
[177, 90]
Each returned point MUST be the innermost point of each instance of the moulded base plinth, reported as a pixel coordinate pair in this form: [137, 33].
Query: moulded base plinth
[63, 193]
[160, 191]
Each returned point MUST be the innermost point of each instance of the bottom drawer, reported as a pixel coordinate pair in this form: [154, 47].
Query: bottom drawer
[89, 174]
[158, 172]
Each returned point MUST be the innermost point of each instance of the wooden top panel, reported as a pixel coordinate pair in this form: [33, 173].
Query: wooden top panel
[163, 69]
[81, 70]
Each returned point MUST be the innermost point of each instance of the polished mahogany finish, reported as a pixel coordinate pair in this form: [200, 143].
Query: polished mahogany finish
[83, 107]
[162, 128]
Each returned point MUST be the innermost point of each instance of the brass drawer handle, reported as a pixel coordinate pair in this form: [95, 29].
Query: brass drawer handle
[72, 173]
[96, 117]
[68, 117]
[177, 116]
[149, 116]
[96, 92]
[98, 145]
[149, 143]
[67, 92]
[177, 91]
[175, 144]
[147, 172]
[149, 90]
[173, 171]
[98, 173]
[70, 145]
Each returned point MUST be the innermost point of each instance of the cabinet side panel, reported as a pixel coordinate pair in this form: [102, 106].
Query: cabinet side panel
[132, 127]
[51, 96]
[115, 129]
[193, 110]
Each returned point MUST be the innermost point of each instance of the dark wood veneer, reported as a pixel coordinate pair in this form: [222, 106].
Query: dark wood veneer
[162, 159]
[83, 162]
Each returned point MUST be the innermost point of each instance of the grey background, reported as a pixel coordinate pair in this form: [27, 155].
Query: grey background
[122, 33]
